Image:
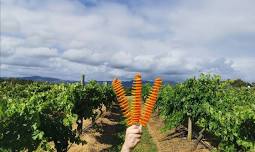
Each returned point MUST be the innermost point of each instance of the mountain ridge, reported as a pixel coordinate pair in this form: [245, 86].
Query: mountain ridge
[56, 80]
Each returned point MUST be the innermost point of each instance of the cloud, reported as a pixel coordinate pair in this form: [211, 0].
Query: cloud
[103, 39]
[86, 56]
[41, 52]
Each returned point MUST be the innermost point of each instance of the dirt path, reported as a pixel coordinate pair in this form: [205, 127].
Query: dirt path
[103, 137]
[174, 145]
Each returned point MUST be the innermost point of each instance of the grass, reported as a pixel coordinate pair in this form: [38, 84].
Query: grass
[146, 144]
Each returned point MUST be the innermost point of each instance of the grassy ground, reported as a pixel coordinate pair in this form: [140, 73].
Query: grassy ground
[146, 144]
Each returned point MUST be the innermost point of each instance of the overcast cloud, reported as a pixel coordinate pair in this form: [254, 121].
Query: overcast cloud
[174, 39]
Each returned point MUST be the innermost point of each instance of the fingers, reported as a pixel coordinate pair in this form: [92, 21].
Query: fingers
[133, 136]
[138, 136]
[140, 128]
[134, 129]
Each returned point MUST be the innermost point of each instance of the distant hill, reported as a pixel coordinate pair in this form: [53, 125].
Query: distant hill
[129, 83]
[56, 80]
[39, 78]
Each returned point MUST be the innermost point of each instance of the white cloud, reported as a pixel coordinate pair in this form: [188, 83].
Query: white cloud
[86, 56]
[172, 39]
[40, 52]
[121, 60]
[246, 66]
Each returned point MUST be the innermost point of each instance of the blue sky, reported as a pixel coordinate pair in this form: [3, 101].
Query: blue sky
[174, 39]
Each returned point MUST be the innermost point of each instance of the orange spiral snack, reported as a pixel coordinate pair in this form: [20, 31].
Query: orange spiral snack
[150, 102]
[122, 99]
[137, 100]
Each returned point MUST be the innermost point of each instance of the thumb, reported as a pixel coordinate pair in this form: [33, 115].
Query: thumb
[140, 128]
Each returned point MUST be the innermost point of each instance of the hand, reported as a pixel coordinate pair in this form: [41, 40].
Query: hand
[132, 138]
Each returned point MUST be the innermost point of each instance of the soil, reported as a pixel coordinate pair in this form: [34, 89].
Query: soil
[177, 144]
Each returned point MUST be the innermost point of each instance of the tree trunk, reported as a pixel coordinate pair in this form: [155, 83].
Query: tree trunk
[79, 121]
[79, 124]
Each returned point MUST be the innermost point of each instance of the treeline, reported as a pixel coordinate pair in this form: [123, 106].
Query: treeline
[241, 83]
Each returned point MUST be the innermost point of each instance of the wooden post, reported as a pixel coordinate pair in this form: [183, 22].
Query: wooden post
[157, 111]
[82, 79]
[189, 129]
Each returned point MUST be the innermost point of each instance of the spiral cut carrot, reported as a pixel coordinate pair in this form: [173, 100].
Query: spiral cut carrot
[137, 98]
[134, 116]
[150, 102]
[122, 100]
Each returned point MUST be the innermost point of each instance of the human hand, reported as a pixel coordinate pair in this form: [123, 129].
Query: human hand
[132, 138]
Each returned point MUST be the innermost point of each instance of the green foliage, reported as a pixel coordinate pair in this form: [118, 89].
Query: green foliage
[128, 91]
[35, 113]
[146, 90]
[92, 96]
[225, 111]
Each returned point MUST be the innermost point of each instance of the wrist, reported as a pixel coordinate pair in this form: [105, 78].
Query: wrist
[125, 148]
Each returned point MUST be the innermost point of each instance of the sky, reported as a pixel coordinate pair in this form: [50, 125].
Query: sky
[103, 39]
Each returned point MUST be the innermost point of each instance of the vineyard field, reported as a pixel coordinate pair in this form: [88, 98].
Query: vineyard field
[39, 116]
[223, 111]
[32, 114]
